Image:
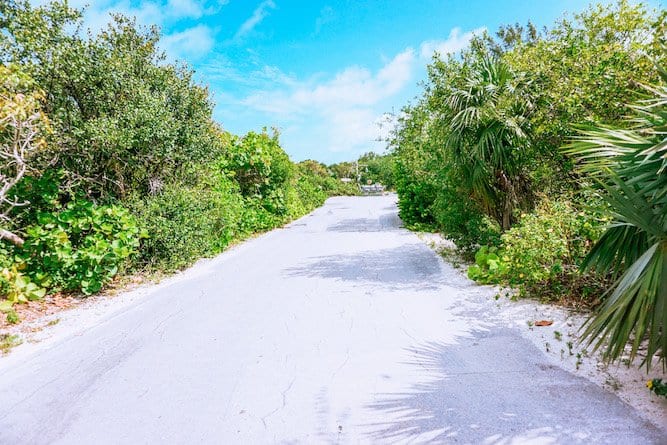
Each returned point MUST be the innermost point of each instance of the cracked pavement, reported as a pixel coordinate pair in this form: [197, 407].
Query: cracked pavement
[339, 328]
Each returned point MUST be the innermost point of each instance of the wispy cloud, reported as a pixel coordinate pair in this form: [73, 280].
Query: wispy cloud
[347, 107]
[455, 42]
[353, 86]
[327, 15]
[255, 19]
[186, 8]
[193, 43]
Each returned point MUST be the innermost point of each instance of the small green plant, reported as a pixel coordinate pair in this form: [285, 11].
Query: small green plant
[81, 247]
[13, 317]
[657, 386]
[558, 335]
[17, 288]
[540, 255]
[8, 341]
[488, 267]
[570, 345]
[579, 361]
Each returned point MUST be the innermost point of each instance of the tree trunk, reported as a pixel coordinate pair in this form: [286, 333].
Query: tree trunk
[507, 214]
[11, 237]
[506, 221]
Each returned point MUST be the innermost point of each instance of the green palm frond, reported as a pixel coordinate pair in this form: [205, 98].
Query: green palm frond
[487, 132]
[631, 166]
[635, 310]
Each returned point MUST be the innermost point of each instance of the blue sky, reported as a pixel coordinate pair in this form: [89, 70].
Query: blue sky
[323, 72]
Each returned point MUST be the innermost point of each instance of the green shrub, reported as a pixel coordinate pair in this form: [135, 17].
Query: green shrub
[415, 202]
[324, 179]
[79, 248]
[461, 222]
[377, 168]
[489, 268]
[43, 192]
[184, 223]
[543, 252]
[310, 194]
[15, 285]
[556, 235]
[336, 187]
[262, 170]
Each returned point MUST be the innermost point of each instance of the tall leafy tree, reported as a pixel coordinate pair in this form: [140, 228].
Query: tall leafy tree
[586, 68]
[125, 121]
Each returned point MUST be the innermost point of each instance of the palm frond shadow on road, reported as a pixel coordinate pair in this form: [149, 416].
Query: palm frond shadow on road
[454, 404]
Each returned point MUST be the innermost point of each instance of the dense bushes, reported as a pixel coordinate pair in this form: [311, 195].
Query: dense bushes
[465, 225]
[262, 169]
[485, 140]
[81, 247]
[485, 136]
[186, 223]
[124, 167]
[550, 242]
[375, 168]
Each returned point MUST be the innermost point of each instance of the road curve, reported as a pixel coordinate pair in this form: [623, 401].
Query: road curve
[340, 328]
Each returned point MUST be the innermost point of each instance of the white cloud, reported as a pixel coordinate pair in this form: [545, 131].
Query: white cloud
[347, 109]
[352, 87]
[191, 44]
[255, 19]
[185, 8]
[98, 15]
[455, 42]
[351, 128]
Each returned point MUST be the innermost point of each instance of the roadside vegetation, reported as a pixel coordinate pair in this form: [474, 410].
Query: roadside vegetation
[369, 168]
[541, 154]
[111, 163]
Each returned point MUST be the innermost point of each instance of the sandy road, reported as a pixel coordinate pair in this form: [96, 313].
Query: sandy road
[340, 328]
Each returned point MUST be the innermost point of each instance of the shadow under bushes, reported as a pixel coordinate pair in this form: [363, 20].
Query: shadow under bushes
[412, 266]
[386, 222]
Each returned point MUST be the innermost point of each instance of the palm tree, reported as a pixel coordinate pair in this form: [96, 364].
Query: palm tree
[631, 166]
[487, 137]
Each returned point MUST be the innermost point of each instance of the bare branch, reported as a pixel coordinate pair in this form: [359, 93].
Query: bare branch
[20, 125]
[11, 237]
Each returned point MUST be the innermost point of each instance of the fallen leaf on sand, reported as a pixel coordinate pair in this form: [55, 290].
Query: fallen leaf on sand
[544, 323]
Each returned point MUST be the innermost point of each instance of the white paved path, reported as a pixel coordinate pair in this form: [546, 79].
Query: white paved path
[341, 328]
